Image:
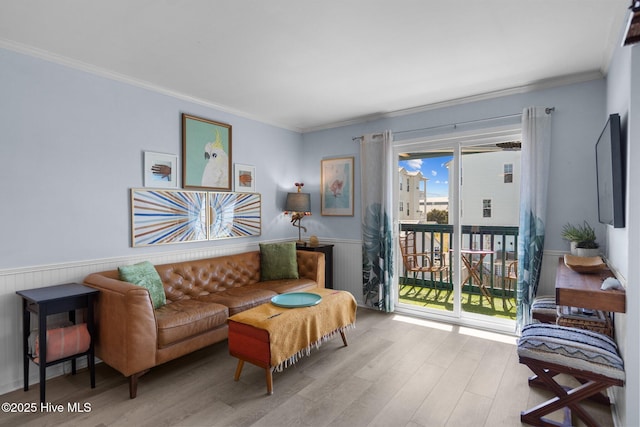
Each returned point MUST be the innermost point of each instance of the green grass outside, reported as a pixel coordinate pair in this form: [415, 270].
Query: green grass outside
[442, 299]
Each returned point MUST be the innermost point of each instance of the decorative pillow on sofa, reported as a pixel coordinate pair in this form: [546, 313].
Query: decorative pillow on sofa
[278, 261]
[145, 274]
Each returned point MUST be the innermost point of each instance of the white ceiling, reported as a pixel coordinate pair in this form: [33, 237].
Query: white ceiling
[307, 65]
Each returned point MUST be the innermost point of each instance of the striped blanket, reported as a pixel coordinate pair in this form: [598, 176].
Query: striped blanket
[572, 347]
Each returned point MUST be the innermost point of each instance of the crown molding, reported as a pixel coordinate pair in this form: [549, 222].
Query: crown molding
[539, 85]
[102, 72]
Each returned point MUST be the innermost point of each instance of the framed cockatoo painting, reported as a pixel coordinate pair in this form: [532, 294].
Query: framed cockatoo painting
[206, 154]
[336, 187]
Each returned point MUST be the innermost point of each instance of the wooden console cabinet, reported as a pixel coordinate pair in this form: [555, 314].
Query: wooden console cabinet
[583, 290]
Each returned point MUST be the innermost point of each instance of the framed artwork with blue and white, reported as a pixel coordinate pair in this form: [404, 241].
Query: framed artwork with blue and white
[206, 154]
[234, 215]
[167, 216]
[336, 187]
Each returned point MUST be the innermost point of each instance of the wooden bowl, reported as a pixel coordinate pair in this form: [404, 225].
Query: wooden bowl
[584, 264]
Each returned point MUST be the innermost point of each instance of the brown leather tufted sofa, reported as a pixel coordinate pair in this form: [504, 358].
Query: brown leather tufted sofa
[132, 337]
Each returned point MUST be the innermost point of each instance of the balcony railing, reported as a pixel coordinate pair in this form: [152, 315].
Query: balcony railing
[499, 263]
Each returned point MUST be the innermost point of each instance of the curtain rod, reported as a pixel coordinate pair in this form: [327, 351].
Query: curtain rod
[547, 110]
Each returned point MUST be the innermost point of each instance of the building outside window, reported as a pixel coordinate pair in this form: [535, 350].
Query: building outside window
[484, 178]
[486, 208]
[508, 173]
[414, 196]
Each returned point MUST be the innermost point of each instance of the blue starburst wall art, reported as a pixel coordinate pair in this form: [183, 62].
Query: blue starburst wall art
[176, 216]
[168, 216]
[234, 215]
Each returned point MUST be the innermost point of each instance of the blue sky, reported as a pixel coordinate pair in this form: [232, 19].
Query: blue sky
[435, 170]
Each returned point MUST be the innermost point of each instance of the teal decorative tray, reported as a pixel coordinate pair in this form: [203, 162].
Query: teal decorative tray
[296, 299]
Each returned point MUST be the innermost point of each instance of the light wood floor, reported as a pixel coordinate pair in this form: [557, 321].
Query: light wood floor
[393, 373]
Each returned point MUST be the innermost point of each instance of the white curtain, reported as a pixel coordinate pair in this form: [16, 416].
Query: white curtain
[536, 148]
[377, 241]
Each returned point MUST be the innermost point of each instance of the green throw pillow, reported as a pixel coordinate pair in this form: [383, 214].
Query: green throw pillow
[278, 261]
[144, 274]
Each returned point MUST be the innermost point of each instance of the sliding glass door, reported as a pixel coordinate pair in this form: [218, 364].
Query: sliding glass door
[456, 226]
[426, 229]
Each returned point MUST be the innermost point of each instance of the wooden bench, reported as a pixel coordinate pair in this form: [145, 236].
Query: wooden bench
[589, 357]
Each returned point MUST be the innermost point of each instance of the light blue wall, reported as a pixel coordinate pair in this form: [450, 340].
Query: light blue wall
[623, 97]
[73, 143]
[72, 147]
[618, 99]
[577, 123]
[580, 113]
[632, 338]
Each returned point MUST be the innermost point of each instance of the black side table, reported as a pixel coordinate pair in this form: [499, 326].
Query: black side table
[52, 300]
[327, 250]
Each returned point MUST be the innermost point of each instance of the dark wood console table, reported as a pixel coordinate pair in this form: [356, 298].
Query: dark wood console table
[327, 250]
[583, 290]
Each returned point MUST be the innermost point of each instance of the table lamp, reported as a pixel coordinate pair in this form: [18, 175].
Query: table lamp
[298, 205]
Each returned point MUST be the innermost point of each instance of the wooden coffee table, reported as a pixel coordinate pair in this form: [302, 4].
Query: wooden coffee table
[273, 337]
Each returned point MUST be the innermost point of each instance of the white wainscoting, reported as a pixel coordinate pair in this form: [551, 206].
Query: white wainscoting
[547, 285]
[347, 276]
[347, 267]
[12, 280]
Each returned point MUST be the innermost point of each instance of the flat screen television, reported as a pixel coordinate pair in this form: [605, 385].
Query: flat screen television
[610, 172]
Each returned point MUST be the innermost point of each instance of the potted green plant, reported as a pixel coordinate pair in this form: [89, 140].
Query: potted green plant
[582, 238]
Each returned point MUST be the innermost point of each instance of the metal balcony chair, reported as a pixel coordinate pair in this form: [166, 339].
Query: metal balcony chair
[509, 282]
[512, 274]
[416, 263]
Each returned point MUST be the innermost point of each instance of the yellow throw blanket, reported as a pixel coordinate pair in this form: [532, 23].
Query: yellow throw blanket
[293, 332]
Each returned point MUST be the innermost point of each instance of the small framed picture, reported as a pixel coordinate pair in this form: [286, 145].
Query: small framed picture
[244, 178]
[206, 154]
[336, 187]
[160, 170]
